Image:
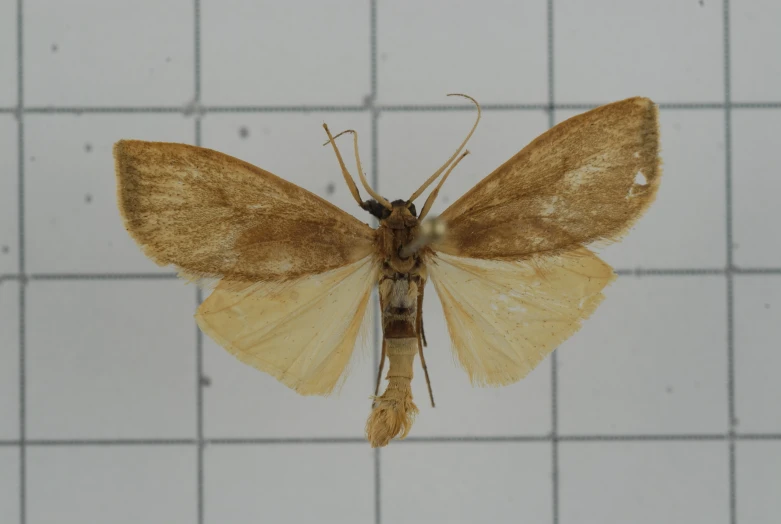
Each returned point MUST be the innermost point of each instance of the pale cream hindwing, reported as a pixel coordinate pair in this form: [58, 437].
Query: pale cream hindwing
[302, 332]
[505, 317]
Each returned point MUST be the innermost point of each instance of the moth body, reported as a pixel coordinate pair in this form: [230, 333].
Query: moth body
[401, 283]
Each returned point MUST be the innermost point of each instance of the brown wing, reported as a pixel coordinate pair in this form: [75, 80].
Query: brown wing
[215, 216]
[586, 180]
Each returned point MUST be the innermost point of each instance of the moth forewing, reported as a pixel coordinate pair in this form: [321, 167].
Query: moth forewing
[587, 180]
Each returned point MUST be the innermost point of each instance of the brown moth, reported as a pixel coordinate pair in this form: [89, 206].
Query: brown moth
[294, 273]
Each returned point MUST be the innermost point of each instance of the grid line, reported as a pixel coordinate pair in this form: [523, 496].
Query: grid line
[189, 109]
[555, 489]
[730, 261]
[200, 515]
[21, 247]
[626, 272]
[226, 441]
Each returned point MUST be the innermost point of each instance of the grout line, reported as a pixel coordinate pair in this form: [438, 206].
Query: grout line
[555, 482]
[198, 292]
[103, 276]
[230, 441]
[637, 272]
[22, 267]
[731, 415]
[303, 108]
[640, 272]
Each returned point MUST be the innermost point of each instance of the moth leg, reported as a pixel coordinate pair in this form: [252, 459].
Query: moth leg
[382, 365]
[421, 332]
[422, 341]
[425, 372]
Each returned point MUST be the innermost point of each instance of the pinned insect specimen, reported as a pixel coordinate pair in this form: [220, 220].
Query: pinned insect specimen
[292, 274]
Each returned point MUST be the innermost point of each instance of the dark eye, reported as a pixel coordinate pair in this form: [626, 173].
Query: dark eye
[385, 213]
[413, 210]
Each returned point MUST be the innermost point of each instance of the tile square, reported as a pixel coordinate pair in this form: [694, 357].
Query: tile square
[9, 360]
[607, 50]
[290, 145]
[329, 483]
[644, 482]
[686, 226]
[757, 338]
[9, 192]
[8, 54]
[117, 484]
[467, 482]
[72, 220]
[651, 360]
[413, 145]
[108, 53]
[756, 71]
[428, 49]
[271, 53]
[111, 359]
[756, 136]
[758, 481]
[9, 484]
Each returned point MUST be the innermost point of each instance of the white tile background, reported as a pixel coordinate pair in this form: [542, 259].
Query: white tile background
[114, 408]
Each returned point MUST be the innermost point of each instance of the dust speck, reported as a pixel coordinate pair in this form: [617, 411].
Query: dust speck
[168, 60]
[55, 48]
[702, 3]
[767, 306]
[668, 389]
[330, 188]
[88, 147]
[383, 56]
[32, 159]
[87, 198]
[206, 381]
[368, 100]
[243, 131]
[5, 250]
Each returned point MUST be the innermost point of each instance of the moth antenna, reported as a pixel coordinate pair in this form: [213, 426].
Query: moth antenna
[439, 171]
[361, 175]
[433, 195]
[347, 178]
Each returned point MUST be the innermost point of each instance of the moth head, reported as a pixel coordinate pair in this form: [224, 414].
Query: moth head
[402, 215]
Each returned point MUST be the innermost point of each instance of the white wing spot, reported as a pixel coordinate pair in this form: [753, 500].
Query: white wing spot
[640, 179]
[637, 154]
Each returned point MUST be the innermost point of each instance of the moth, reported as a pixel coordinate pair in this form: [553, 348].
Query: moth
[292, 275]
